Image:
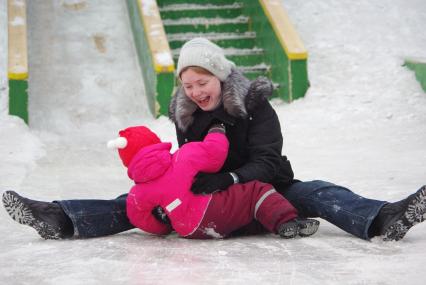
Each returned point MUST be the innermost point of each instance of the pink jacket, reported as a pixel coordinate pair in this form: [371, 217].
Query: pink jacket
[164, 179]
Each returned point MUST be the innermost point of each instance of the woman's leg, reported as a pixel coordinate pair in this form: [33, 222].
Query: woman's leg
[48, 219]
[96, 218]
[395, 219]
[69, 218]
[336, 204]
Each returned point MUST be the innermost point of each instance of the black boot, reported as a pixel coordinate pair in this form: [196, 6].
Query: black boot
[289, 229]
[395, 219]
[48, 219]
[298, 226]
[307, 227]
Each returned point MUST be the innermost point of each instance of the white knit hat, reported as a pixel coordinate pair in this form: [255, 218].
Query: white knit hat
[203, 53]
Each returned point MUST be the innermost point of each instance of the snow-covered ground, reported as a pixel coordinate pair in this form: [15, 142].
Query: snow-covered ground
[362, 124]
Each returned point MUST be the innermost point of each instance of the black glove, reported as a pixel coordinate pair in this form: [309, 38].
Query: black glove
[160, 215]
[206, 183]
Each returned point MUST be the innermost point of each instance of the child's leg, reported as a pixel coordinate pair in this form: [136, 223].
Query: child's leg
[253, 228]
[237, 206]
[279, 216]
[273, 210]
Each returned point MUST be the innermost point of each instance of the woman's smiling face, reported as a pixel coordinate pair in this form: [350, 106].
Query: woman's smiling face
[202, 88]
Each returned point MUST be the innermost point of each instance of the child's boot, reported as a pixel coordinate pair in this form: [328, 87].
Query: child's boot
[307, 227]
[297, 226]
[289, 229]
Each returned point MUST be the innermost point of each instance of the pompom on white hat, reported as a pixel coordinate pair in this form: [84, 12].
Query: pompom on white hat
[203, 53]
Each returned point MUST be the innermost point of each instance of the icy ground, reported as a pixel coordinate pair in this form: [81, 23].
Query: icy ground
[362, 124]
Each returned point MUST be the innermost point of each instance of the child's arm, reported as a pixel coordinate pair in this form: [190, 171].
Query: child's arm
[210, 154]
[139, 210]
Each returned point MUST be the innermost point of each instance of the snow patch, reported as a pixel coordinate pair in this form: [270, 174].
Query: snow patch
[18, 3]
[73, 2]
[19, 150]
[18, 69]
[205, 21]
[17, 21]
[164, 58]
[210, 231]
[149, 7]
[213, 36]
[186, 7]
[336, 208]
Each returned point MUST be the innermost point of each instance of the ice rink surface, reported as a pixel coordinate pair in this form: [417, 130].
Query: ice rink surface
[362, 124]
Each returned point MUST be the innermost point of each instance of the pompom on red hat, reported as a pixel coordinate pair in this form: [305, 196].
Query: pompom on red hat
[131, 141]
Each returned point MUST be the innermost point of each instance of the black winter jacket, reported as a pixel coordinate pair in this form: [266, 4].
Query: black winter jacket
[252, 127]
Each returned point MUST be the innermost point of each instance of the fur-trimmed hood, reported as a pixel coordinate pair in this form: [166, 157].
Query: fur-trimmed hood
[240, 96]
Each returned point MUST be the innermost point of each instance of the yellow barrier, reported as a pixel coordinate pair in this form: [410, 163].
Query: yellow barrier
[156, 36]
[17, 27]
[284, 29]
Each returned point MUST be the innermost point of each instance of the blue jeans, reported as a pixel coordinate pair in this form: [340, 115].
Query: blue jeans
[338, 205]
[335, 204]
[96, 218]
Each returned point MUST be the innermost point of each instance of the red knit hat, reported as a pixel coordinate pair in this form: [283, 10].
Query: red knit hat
[137, 138]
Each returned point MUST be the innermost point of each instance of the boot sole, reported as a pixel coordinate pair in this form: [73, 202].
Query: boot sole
[21, 213]
[289, 231]
[414, 214]
[309, 228]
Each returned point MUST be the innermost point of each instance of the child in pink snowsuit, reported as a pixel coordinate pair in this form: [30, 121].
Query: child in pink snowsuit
[163, 179]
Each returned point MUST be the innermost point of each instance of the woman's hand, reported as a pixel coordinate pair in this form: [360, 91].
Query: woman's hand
[207, 183]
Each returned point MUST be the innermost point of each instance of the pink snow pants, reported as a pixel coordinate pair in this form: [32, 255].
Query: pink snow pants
[239, 206]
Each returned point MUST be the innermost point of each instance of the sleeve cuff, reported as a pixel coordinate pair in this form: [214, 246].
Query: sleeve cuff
[217, 128]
